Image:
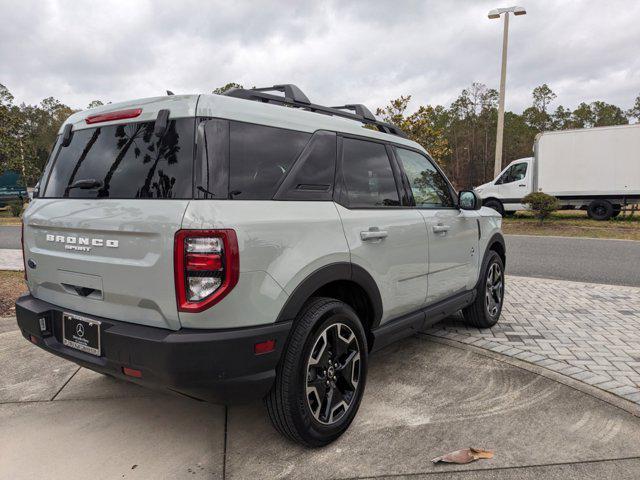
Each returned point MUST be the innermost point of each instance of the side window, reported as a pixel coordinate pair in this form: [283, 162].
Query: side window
[518, 172]
[367, 174]
[513, 173]
[260, 157]
[312, 175]
[429, 187]
[504, 178]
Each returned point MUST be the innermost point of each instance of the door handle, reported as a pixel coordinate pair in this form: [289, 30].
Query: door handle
[522, 185]
[372, 234]
[440, 228]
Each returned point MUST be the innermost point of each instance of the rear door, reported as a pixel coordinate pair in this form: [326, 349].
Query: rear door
[453, 233]
[101, 235]
[385, 237]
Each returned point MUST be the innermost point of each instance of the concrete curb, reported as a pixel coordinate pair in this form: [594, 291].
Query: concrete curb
[571, 238]
[602, 395]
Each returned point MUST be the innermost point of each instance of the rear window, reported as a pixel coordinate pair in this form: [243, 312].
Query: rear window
[125, 161]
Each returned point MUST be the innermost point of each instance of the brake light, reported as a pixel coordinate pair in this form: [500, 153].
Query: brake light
[110, 116]
[207, 267]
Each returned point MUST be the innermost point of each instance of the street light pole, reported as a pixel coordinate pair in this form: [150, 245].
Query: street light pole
[497, 168]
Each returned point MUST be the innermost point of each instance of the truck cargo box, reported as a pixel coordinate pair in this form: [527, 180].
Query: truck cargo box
[603, 161]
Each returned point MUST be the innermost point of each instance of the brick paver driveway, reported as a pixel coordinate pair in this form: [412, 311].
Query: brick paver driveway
[586, 331]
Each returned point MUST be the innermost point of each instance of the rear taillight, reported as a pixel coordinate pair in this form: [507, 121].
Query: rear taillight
[207, 267]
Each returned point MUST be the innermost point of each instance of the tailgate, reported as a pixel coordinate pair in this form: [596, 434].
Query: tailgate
[109, 258]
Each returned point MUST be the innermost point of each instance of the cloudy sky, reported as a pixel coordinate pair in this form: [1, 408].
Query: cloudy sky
[337, 52]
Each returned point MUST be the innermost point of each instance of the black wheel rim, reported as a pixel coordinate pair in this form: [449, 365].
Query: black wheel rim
[494, 290]
[333, 373]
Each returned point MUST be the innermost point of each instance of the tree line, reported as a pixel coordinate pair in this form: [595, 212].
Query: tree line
[460, 137]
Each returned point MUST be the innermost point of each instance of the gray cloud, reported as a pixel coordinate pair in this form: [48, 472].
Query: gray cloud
[337, 52]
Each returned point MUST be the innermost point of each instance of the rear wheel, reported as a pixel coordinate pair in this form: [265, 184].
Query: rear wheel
[485, 311]
[321, 376]
[496, 205]
[616, 210]
[600, 210]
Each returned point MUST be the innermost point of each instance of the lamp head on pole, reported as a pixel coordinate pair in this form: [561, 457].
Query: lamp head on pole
[496, 12]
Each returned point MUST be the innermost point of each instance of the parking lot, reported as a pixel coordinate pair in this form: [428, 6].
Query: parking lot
[445, 389]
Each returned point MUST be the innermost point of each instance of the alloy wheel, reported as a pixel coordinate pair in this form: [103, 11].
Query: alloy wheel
[494, 289]
[333, 373]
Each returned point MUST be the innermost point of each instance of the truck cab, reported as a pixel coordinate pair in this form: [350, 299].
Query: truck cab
[11, 188]
[505, 193]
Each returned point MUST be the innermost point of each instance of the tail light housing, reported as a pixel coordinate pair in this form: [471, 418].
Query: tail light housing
[207, 267]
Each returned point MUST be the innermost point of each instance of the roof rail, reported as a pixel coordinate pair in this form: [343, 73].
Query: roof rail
[294, 97]
[360, 110]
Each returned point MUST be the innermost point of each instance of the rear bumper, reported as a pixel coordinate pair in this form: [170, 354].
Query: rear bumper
[214, 365]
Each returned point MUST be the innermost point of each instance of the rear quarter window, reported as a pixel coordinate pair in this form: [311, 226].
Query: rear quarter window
[260, 158]
[126, 161]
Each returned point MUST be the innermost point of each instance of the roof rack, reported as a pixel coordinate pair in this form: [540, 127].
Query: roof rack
[294, 97]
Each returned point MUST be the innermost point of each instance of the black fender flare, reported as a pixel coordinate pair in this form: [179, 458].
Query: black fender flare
[495, 238]
[325, 275]
[498, 237]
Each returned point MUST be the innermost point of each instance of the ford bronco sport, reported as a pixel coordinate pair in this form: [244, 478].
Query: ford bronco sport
[227, 248]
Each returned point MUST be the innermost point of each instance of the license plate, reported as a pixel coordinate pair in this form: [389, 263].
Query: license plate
[81, 333]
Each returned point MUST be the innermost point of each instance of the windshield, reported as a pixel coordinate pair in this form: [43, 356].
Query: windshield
[124, 161]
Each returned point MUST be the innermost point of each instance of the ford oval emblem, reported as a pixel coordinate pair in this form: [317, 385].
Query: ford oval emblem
[31, 263]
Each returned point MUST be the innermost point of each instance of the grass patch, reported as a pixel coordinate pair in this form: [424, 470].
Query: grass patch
[7, 219]
[573, 223]
[11, 287]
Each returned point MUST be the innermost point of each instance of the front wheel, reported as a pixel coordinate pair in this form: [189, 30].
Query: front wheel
[496, 205]
[321, 376]
[485, 311]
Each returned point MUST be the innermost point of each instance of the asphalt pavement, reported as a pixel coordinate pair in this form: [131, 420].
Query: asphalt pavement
[10, 237]
[614, 262]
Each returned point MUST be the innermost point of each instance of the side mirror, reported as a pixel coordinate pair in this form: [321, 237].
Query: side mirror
[468, 200]
[36, 191]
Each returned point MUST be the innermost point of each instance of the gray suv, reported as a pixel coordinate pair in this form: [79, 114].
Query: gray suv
[227, 248]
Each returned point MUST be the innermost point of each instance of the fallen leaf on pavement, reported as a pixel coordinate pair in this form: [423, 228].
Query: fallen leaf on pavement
[464, 456]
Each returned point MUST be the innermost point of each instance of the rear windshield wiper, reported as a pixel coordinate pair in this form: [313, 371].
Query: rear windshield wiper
[85, 184]
[205, 191]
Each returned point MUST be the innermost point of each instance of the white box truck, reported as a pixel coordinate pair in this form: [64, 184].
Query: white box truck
[594, 169]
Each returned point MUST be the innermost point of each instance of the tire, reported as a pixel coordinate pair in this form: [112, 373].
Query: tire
[496, 205]
[616, 211]
[312, 401]
[485, 311]
[600, 210]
